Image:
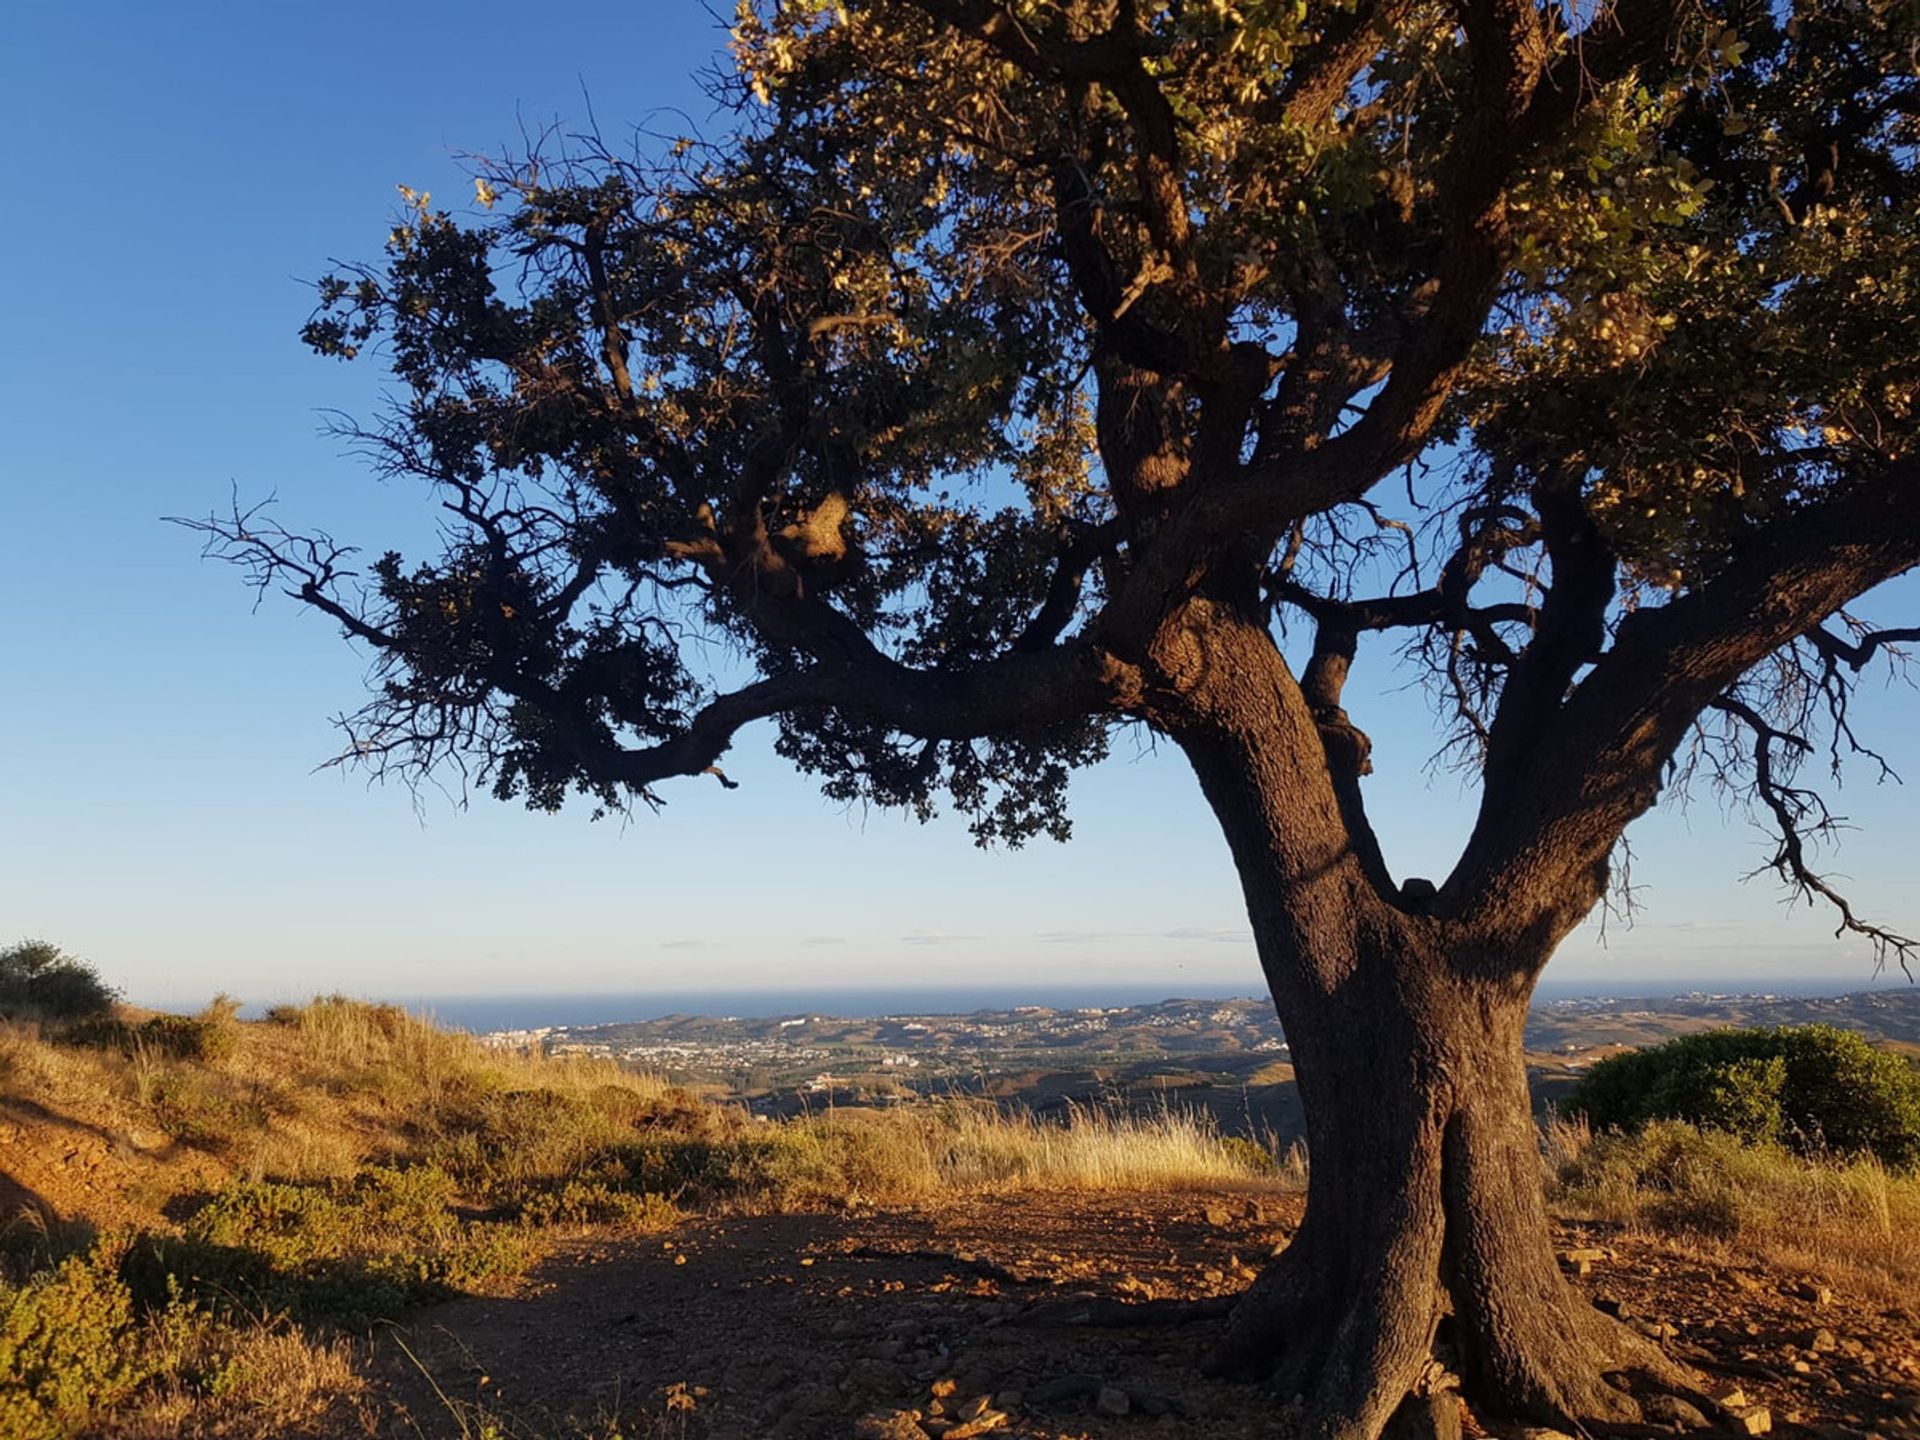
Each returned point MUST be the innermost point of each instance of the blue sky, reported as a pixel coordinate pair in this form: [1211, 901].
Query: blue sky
[177, 172]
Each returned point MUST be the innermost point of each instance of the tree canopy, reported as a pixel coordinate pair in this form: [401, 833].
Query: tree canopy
[905, 411]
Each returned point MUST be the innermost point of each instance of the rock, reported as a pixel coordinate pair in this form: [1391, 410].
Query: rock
[1433, 1416]
[1820, 1341]
[1155, 1405]
[1728, 1396]
[981, 1424]
[1672, 1410]
[1213, 1277]
[1064, 1387]
[1757, 1420]
[1112, 1400]
[1218, 1216]
[875, 1377]
[1583, 1255]
[1818, 1294]
[889, 1425]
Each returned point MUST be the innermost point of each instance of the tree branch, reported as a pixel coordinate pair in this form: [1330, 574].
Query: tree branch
[1798, 812]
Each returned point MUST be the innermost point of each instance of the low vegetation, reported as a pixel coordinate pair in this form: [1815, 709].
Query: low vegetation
[1815, 1089]
[266, 1191]
[254, 1196]
[1841, 1218]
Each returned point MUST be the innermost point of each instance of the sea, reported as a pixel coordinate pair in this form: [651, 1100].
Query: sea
[485, 1013]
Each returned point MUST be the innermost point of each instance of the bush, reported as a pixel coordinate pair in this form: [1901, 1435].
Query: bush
[208, 1036]
[41, 981]
[67, 1346]
[1812, 1088]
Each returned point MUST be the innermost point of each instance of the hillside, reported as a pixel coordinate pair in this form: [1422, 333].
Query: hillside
[340, 1222]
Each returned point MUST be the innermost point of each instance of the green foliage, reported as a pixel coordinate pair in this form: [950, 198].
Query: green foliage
[204, 1038]
[598, 1202]
[349, 1253]
[69, 1346]
[39, 980]
[1810, 1087]
[1256, 1158]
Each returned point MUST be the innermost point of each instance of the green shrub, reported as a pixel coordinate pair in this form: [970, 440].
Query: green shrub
[68, 1346]
[597, 1202]
[205, 1038]
[1812, 1088]
[41, 981]
[350, 1253]
[1256, 1158]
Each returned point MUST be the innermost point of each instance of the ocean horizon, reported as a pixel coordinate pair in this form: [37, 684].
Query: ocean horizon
[491, 1012]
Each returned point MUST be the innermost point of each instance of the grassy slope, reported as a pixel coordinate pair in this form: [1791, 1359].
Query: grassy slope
[197, 1215]
[195, 1209]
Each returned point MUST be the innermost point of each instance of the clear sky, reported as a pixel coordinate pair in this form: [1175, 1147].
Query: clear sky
[176, 172]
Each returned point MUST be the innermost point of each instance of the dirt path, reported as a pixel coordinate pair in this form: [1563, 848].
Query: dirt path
[819, 1326]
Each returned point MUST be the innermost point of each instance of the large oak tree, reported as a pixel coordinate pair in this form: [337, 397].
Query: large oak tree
[1017, 369]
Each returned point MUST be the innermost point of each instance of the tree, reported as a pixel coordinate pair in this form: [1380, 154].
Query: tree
[1017, 369]
[39, 980]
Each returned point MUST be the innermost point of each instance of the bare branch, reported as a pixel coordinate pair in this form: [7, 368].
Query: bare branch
[1799, 813]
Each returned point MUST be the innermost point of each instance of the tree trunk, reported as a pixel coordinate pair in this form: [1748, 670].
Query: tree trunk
[1425, 1209]
[1425, 1203]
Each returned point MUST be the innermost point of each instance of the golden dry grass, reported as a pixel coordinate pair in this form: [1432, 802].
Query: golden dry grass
[919, 1153]
[1847, 1220]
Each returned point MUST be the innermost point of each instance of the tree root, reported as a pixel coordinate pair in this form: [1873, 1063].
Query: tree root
[1565, 1365]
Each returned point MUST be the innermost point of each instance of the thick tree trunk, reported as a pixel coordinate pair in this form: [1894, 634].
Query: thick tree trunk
[1425, 1204]
[1425, 1208]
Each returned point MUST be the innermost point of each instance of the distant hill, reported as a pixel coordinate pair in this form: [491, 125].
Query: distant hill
[1228, 1057]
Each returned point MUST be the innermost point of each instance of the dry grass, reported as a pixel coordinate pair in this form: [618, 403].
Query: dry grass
[955, 1148]
[1846, 1220]
[273, 1381]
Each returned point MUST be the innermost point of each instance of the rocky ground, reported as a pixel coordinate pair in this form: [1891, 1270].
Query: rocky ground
[955, 1322]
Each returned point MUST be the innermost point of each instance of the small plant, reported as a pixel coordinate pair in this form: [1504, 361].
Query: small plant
[39, 980]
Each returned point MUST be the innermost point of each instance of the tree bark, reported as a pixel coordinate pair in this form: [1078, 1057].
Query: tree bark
[1425, 1204]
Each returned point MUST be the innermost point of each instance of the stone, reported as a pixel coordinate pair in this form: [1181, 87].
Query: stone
[1820, 1341]
[1583, 1255]
[1064, 1387]
[1112, 1400]
[1757, 1420]
[1818, 1294]
[1672, 1410]
[1433, 1416]
[875, 1377]
[1728, 1396]
[1218, 1216]
[983, 1423]
[889, 1425]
